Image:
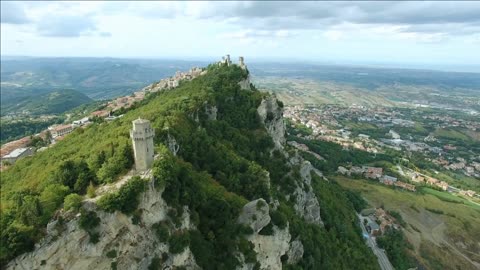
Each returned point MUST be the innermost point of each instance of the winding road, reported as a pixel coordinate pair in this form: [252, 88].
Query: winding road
[380, 253]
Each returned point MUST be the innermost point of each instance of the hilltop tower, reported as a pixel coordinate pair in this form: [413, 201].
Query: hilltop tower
[241, 62]
[142, 139]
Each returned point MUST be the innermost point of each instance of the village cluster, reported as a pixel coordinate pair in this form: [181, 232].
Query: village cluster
[377, 221]
[376, 173]
[325, 123]
[14, 150]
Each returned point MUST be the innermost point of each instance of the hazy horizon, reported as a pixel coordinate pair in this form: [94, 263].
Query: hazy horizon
[412, 34]
[442, 67]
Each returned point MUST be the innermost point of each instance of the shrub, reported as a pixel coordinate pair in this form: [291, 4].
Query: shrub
[91, 190]
[161, 231]
[178, 241]
[279, 219]
[112, 254]
[137, 217]
[72, 202]
[155, 264]
[267, 230]
[89, 221]
[247, 248]
[125, 199]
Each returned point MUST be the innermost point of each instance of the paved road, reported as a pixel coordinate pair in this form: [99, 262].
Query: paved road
[382, 257]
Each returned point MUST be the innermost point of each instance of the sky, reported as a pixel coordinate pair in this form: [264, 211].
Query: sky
[423, 33]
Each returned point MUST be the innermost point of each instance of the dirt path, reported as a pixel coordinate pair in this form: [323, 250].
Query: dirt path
[107, 188]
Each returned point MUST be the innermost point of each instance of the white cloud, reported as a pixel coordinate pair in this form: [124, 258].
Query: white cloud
[333, 35]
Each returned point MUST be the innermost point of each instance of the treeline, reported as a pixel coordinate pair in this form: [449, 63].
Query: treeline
[397, 248]
[16, 130]
[335, 155]
[29, 210]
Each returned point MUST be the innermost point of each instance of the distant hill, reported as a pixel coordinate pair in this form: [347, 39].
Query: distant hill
[50, 103]
[98, 78]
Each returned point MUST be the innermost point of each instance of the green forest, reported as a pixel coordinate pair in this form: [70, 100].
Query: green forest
[220, 166]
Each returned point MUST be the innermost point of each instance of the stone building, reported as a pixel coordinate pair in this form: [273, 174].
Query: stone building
[241, 62]
[142, 139]
[61, 130]
[17, 153]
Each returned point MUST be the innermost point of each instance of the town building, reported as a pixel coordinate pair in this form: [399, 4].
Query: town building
[403, 185]
[60, 130]
[17, 153]
[142, 139]
[443, 185]
[101, 114]
[81, 122]
[418, 178]
[373, 172]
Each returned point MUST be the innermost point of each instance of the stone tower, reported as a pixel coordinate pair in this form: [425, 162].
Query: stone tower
[241, 62]
[142, 139]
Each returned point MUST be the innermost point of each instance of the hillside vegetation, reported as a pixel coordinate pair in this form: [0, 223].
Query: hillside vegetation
[221, 165]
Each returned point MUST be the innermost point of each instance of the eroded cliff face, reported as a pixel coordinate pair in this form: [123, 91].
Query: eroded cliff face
[67, 246]
[133, 246]
[269, 248]
[245, 83]
[306, 202]
[271, 114]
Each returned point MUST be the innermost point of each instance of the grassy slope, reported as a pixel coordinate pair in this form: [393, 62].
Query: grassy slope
[445, 240]
[31, 172]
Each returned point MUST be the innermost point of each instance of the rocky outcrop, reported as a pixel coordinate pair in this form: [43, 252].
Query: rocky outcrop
[68, 247]
[306, 202]
[245, 83]
[271, 114]
[270, 248]
[255, 214]
[295, 252]
[172, 144]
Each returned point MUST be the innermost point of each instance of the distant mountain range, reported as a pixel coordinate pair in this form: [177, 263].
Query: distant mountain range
[48, 103]
[98, 78]
[106, 78]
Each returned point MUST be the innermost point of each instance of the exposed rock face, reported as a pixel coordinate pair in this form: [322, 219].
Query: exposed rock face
[306, 204]
[135, 245]
[245, 83]
[270, 248]
[255, 214]
[295, 252]
[173, 146]
[272, 116]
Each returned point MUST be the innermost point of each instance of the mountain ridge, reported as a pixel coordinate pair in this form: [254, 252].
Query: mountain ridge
[229, 151]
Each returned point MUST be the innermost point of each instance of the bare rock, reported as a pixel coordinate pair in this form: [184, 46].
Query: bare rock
[270, 248]
[255, 214]
[306, 204]
[295, 252]
[271, 114]
[245, 83]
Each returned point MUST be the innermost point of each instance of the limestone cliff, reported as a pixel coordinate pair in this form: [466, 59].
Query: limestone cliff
[271, 114]
[131, 242]
[306, 202]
